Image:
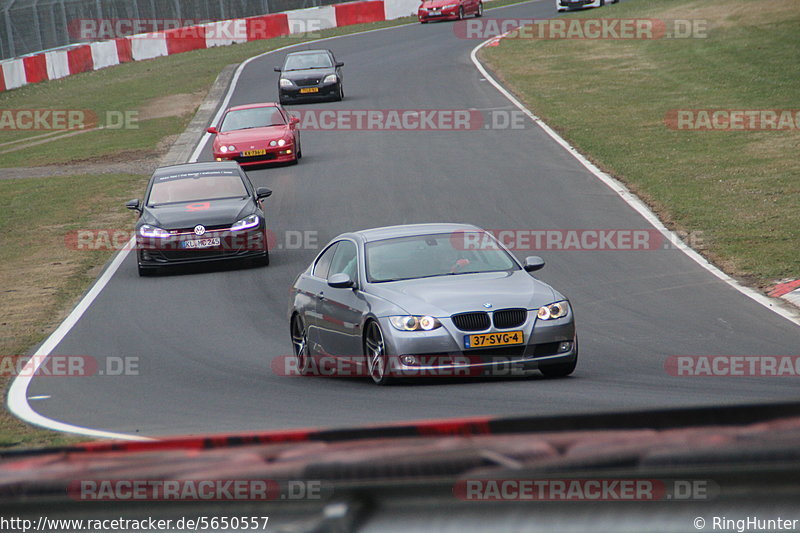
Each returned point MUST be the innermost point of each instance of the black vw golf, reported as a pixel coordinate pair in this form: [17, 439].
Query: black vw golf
[200, 212]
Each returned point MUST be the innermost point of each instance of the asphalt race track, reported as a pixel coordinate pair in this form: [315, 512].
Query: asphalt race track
[204, 339]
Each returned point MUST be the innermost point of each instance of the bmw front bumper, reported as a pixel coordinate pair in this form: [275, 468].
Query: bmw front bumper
[443, 351]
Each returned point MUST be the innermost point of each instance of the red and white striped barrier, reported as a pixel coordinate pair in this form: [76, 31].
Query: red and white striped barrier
[56, 64]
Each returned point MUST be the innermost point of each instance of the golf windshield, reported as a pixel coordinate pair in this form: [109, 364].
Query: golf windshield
[424, 256]
[196, 186]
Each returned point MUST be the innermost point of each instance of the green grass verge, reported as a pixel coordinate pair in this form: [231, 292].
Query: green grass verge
[609, 99]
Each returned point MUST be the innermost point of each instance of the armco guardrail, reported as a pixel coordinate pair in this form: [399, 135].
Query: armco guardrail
[62, 62]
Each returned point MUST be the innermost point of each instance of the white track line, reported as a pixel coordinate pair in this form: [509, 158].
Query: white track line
[632, 200]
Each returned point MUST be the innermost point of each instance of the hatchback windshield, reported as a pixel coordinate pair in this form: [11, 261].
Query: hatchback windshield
[302, 61]
[424, 256]
[196, 187]
[255, 117]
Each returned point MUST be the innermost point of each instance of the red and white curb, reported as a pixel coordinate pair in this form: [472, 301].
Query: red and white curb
[789, 290]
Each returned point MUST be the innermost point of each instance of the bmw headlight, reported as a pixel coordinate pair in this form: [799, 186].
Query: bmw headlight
[414, 323]
[153, 232]
[330, 78]
[229, 148]
[281, 142]
[553, 311]
[285, 83]
[246, 223]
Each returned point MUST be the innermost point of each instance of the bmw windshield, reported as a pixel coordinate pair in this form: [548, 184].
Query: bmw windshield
[435, 255]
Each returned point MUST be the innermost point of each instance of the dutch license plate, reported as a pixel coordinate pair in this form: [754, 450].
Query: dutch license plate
[309, 90]
[252, 153]
[201, 243]
[484, 340]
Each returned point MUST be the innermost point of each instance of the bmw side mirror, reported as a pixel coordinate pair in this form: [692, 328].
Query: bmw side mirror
[341, 281]
[277, 69]
[340, 63]
[294, 120]
[212, 130]
[533, 263]
[133, 204]
[263, 192]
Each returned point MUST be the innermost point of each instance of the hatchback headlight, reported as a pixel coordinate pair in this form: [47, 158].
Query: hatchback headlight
[553, 311]
[414, 323]
[285, 83]
[330, 78]
[153, 232]
[246, 223]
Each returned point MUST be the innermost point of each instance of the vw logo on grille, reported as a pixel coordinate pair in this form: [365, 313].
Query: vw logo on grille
[199, 229]
[487, 305]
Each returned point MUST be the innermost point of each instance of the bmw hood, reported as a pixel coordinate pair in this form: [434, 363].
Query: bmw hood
[208, 213]
[447, 295]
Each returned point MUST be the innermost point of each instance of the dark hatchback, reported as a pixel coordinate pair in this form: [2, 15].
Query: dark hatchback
[310, 75]
[199, 212]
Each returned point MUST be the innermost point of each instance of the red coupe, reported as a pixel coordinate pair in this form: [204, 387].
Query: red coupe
[255, 134]
[448, 9]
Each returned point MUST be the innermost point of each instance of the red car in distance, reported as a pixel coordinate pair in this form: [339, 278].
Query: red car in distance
[448, 9]
[255, 134]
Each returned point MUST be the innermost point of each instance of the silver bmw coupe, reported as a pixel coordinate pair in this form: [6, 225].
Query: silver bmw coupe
[428, 300]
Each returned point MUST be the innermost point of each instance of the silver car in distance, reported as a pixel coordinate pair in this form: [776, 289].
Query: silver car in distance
[429, 300]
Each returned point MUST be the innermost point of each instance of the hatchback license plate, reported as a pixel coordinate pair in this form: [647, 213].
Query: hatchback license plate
[201, 243]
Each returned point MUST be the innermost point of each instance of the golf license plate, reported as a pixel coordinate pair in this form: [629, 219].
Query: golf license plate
[485, 340]
[201, 243]
[309, 90]
[253, 153]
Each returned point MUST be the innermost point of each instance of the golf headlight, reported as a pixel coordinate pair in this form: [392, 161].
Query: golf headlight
[414, 323]
[330, 78]
[153, 232]
[553, 311]
[246, 223]
[285, 83]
